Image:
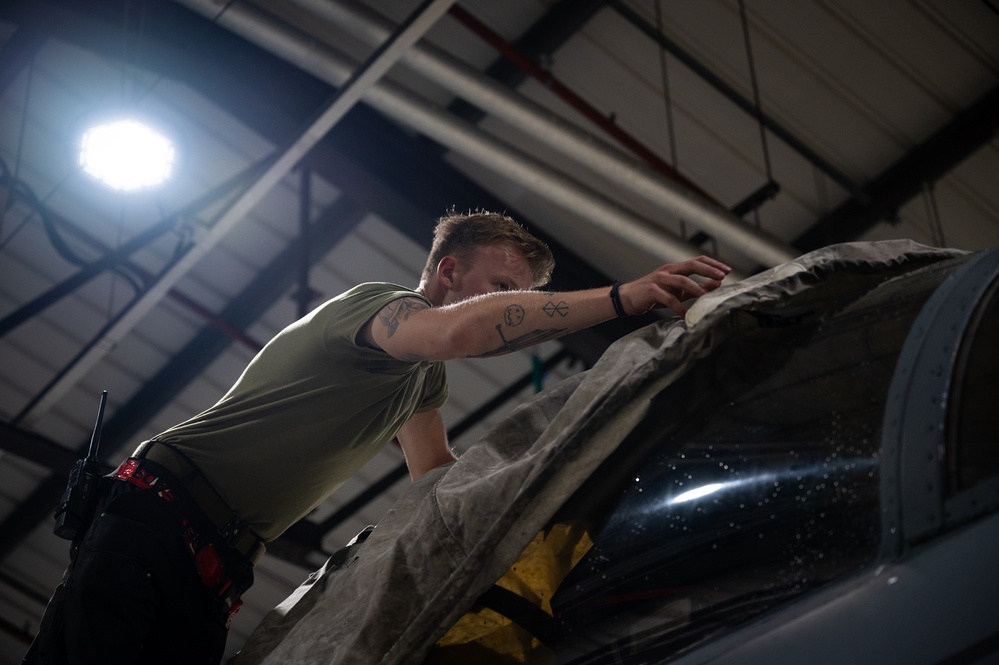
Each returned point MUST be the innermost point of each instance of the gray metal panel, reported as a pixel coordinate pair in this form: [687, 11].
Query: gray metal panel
[938, 603]
[916, 413]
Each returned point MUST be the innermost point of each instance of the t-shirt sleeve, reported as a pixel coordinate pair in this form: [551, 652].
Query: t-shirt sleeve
[351, 311]
[359, 305]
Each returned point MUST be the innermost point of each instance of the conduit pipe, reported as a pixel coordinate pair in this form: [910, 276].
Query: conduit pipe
[435, 122]
[559, 134]
[597, 118]
[360, 79]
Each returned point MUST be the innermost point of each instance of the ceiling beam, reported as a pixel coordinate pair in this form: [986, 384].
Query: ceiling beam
[36, 449]
[560, 23]
[130, 418]
[734, 96]
[967, 132]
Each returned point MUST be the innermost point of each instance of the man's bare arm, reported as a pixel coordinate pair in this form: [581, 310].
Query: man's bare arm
[424, 443]
[504, 322]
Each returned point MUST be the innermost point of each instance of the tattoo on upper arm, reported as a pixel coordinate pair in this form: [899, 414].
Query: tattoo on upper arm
[398, 311]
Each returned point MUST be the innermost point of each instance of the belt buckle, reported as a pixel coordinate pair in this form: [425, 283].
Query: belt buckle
[233, 532]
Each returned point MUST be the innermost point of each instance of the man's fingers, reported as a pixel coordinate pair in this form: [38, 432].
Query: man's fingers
[704, 266]
[671, 284]
[680, 284]
[708, 270]
[715, 264]
[664, 297]
[710, 284]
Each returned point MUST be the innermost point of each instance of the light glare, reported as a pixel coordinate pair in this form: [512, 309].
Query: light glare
[126, 155]
[698, 493]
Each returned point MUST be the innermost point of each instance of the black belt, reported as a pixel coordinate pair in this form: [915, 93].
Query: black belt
[233, 530]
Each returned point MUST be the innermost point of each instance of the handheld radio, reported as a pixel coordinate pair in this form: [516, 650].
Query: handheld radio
[77, 506]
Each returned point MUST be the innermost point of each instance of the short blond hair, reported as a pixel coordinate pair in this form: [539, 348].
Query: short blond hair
[460, 234]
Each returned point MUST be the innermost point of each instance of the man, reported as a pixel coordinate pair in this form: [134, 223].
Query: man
[159, 574]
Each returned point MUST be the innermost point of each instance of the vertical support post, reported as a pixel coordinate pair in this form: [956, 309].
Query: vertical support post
[305, 294]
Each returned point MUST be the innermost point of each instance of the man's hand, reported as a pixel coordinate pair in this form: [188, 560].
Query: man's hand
[671, 285]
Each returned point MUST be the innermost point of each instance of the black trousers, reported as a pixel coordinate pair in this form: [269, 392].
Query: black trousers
[131, 593]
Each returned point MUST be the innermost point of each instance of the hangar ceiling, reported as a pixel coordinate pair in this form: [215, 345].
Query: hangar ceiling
[627, 133]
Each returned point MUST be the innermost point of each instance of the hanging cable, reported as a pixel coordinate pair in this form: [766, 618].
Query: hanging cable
[132, 94]
[39, 206]
[820, 191]
[21, 192]
[225, 7]
[823, 200]
[933, 215]
[7, 180]
[756, 90]
[13, 177]
[133, 28]
[556, 87]
[675, 162]
[176, 223]
[114, 273]
[24, 118]
[94, 341]
[304, 295]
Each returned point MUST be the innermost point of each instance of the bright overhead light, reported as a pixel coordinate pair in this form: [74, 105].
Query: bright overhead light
[126, 155]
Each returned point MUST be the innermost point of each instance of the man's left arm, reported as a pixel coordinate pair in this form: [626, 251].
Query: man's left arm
[424, 443]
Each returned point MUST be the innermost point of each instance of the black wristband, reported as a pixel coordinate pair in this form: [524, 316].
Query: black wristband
[616, 300]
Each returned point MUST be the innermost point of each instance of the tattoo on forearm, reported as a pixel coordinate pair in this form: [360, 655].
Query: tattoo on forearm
[398, 311]
[514, 315]
[561, 308]
[517, 343]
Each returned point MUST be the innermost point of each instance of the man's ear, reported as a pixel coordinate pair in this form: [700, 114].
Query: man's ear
[446, 271]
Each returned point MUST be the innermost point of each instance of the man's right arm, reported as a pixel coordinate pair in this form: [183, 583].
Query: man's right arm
[504, 322]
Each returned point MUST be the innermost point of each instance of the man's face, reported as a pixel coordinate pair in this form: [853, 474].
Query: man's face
[490, 269]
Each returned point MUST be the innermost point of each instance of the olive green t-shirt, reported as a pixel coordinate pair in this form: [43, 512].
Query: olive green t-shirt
[310, 409]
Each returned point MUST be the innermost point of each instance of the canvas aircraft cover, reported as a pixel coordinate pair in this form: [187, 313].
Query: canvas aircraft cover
[490, 515]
